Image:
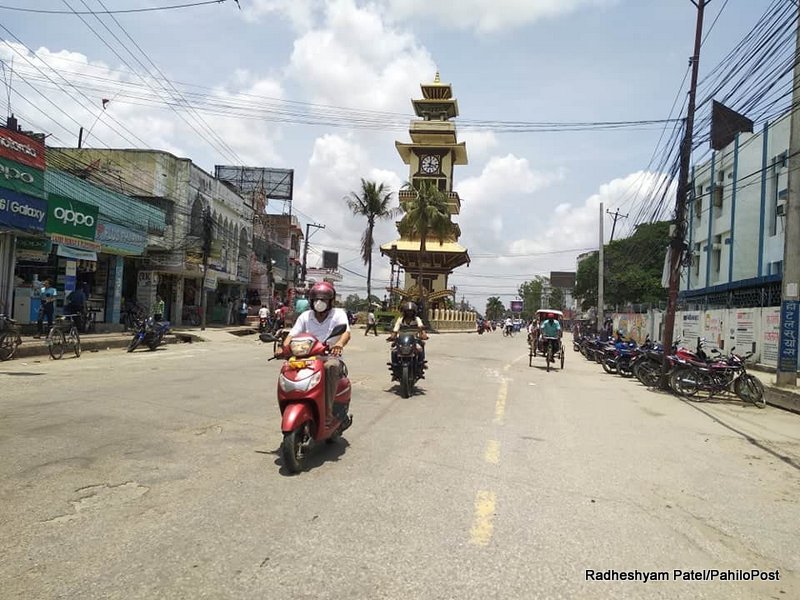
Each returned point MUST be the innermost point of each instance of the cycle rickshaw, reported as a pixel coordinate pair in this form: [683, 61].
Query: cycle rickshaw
[538, 346]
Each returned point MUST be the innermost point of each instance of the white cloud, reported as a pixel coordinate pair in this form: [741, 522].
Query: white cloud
[487, 17]
[356, 60]
[479, 143]
[300, 13]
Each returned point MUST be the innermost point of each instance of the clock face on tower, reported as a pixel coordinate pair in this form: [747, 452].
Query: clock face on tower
[430, 164]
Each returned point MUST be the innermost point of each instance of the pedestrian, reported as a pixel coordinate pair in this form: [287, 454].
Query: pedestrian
[243, 312]
[158, 308]
[371, 323]
[76, 305]
[47, 294]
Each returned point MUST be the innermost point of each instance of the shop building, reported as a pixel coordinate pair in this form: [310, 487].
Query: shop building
[189, 197]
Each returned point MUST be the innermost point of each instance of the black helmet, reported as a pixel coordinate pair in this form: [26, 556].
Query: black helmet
[409, 309]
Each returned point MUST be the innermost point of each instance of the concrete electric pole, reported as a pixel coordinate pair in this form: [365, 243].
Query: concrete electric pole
[790, 307]
[679, 226]
[600, 276]
[208, 234]
[305, 249]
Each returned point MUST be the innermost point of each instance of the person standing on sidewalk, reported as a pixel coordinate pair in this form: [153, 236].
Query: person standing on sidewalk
[243, 312]
[371, 323]
[47, 309]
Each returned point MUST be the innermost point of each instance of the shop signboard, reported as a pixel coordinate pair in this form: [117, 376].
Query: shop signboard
[211, 279]
[116, 239]
[19, 211]
[20, 148]
[790, 325]
[21, 178]
[33, 249]
[66, 240]
[71, 218]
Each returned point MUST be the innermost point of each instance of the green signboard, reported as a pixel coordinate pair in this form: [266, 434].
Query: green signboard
[34, 245]
[21, 178]
[72, 218]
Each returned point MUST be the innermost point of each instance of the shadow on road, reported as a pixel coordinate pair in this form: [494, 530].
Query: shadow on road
[20, 374]
[320, 454]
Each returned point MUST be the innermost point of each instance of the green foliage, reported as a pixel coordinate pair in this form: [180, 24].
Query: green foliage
[426, 215]
[373, 203]
[531, 294]
[633, 268]
[494, 308]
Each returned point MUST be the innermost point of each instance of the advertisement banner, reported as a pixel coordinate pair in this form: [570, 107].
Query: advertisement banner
[516, 306]
[20, 148]
[745, 336]
[75, 242]
[22, 212]
[116, 239]
[72, 218]
[33, 249]
[790, 325]
[21, 178]
[770, 335]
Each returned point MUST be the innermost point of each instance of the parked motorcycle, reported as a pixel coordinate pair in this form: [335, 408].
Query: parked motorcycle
[301, 398]
[148, 332]
[405, 365]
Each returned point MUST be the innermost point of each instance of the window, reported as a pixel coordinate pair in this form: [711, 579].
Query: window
[698, 202]
[696, 260]
[717, 196]
[716, 254]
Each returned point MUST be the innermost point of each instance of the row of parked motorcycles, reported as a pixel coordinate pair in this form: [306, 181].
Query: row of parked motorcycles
[692, 374]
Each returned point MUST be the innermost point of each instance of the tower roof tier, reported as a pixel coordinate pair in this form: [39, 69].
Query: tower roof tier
[432, 132]
[435, 109]
[437, 258]
[437, 89]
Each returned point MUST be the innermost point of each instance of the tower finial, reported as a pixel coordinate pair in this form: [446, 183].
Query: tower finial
[436, 79]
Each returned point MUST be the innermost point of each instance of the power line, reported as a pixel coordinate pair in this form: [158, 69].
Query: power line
[111, 12]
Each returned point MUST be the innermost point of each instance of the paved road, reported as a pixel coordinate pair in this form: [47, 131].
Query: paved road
[155, 475]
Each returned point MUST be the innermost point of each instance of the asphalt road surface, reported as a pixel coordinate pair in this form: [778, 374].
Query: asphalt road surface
[155, 475]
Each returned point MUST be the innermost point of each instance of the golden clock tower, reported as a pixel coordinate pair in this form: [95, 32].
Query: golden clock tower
[433, 153]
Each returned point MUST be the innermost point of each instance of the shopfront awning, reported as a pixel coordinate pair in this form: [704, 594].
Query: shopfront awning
[69, 252]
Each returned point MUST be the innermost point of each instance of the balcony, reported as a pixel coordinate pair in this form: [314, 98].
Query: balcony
[453, 200]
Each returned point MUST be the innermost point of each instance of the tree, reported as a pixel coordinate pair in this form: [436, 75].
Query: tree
[556, 298]
[494, 308]
[633, 268]
[373, 203]
[531, 294]
[426, 215]
[353, 302]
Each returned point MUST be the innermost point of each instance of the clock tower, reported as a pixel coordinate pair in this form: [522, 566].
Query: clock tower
[432, 155]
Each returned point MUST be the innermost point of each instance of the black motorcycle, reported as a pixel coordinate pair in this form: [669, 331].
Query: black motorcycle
[406, 366]
[150, 333]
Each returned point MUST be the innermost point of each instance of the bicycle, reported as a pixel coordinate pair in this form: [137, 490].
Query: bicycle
[10, 338]
[57, 341]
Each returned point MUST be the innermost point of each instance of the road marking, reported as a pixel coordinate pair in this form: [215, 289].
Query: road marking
[500, 405]
[492, 454]
[482, 527]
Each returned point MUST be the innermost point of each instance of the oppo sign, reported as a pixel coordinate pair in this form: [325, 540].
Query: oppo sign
[73, 217]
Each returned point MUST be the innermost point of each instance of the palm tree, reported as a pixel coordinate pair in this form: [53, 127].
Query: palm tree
[426, 214]
[373, 203]
[494, 308]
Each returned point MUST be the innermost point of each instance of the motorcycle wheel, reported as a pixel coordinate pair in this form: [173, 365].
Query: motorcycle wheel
[750, 389]
[292, 448]
[608, 368]
[134, 343]
[405, 381]
[55, 344]
[683, 383]
[624, 371]
[154, 343]
[7, 346]
[648, 372]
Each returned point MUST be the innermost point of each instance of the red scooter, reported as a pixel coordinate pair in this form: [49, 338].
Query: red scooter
[301, 398]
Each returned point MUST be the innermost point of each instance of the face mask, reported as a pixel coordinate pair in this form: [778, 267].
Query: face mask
[320, 305]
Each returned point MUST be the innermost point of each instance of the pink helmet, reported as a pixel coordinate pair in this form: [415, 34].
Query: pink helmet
[322, 290]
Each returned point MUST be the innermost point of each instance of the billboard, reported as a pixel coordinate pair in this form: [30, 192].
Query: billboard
[276, 184]
[18, 147]
[330, 260]
[562, 279]
[516, 306]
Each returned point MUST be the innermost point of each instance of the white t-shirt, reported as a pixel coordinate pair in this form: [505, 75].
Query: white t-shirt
[308, 323]
[400, 324]
[263, 312]
[371, 318]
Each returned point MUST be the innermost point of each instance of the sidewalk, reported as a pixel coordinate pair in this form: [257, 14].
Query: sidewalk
[782, 397]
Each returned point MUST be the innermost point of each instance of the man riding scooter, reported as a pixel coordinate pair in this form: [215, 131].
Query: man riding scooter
[319, 321]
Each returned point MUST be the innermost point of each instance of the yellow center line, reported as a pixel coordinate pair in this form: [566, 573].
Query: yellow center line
[492, 454]
[482, 527]
[500, 405]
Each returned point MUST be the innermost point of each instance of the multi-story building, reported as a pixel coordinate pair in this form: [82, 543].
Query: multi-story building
[191, 199]
[736, 220]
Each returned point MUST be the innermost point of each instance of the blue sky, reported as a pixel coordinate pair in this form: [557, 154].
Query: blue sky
[529, 200]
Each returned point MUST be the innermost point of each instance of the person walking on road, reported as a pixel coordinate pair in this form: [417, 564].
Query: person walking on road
[47, 308]
[371, 322]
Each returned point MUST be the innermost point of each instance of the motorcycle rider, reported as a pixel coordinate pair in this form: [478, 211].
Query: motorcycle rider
[551, 328]
[319, 321]
[410, 320]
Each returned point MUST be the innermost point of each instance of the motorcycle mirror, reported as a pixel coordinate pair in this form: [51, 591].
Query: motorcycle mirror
[338, 330]
[267, 338]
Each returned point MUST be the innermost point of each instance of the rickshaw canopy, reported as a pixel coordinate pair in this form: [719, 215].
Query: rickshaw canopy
[543, 312]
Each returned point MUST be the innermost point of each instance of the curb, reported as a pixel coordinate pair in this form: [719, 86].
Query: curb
[39, 348]
[784, 399]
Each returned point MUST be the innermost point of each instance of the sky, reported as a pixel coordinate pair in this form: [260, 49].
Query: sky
[325, 88]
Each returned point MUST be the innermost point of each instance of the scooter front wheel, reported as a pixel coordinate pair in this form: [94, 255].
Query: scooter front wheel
[405, 381]
[294, 447]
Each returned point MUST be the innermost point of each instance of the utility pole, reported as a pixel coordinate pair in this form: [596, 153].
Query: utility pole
[305, 249]
[679, 226]
[790, 307]
[600, 276]
[615, 216]
[208, 231]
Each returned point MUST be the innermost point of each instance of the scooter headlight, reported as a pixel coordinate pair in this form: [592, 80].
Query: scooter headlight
[303, 383]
